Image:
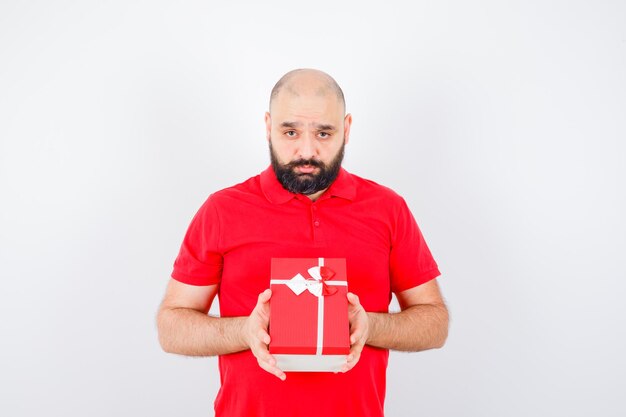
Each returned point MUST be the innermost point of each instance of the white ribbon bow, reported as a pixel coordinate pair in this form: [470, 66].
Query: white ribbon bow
[299, 284]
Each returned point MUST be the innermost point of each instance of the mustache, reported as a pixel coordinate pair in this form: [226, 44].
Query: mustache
[302, 162]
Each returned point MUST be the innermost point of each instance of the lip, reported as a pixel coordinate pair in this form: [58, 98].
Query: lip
[306, 169]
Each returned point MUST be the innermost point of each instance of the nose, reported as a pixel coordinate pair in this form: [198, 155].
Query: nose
[307, 150]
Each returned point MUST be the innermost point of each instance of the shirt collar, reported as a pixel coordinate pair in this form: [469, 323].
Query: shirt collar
[343, 187]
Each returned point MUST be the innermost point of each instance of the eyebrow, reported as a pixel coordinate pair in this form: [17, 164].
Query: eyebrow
[325, 127]
[290, 124]
[318, 126]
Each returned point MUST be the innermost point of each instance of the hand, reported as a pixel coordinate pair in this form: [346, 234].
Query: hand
[359, 330]
[256, 337]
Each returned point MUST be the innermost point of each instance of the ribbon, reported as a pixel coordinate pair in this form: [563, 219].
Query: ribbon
[316, 286]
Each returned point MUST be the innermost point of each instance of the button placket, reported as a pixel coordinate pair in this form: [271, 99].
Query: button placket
[317, 231]
[314, 217]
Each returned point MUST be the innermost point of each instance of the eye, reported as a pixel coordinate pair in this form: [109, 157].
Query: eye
[324, 135]
[290, 133]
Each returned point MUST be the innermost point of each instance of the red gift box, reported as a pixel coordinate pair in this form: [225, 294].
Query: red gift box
[309, 327]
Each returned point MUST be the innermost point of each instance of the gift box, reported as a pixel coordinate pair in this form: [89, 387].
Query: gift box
[309, 327]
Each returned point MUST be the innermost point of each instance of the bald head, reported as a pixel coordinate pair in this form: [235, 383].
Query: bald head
[305, 81]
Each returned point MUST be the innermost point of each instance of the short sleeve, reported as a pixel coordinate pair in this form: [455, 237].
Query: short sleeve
[410, 262]
[199, 261]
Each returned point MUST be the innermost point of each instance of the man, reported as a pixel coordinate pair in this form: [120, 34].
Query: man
[305, 205]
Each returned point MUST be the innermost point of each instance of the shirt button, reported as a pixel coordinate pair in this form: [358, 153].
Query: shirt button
[314, 208]
[316, 222]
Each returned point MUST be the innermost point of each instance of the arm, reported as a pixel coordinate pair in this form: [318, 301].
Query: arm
[185, 328]
[422, 324]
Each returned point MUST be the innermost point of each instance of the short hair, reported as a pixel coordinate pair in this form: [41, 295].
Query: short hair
[331, 84]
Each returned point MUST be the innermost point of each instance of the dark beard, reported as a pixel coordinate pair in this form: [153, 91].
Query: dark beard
[307, 183]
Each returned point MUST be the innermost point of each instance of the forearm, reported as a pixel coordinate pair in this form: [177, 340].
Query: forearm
[190, 332]
[416, 328]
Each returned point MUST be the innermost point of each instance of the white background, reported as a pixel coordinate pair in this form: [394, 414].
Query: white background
[501, 123]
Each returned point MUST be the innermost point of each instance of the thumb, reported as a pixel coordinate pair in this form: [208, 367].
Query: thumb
[353, 299]
[265, 296]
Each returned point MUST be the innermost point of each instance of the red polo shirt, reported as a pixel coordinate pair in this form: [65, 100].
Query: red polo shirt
[231, 241]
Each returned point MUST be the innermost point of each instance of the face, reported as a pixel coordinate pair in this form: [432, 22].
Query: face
[307, 133]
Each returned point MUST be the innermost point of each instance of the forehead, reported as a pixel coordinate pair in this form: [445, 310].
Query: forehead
[306, 106]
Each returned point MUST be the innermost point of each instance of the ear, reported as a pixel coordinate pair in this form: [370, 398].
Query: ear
[347, 122]
[268, 125]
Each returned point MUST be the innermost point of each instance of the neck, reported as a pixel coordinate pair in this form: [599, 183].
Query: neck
[316, 195]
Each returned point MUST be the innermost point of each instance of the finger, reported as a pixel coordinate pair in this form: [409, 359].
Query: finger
[270, 366]
[353, 357]
[355, 352]
[356, 336]
[347, 366]
[353, 299]
[274, 371]
[260, 351]
[262, 306]
[357, 332]
[351, 361]
[264, 336]
[265, 296]
[266, 359]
